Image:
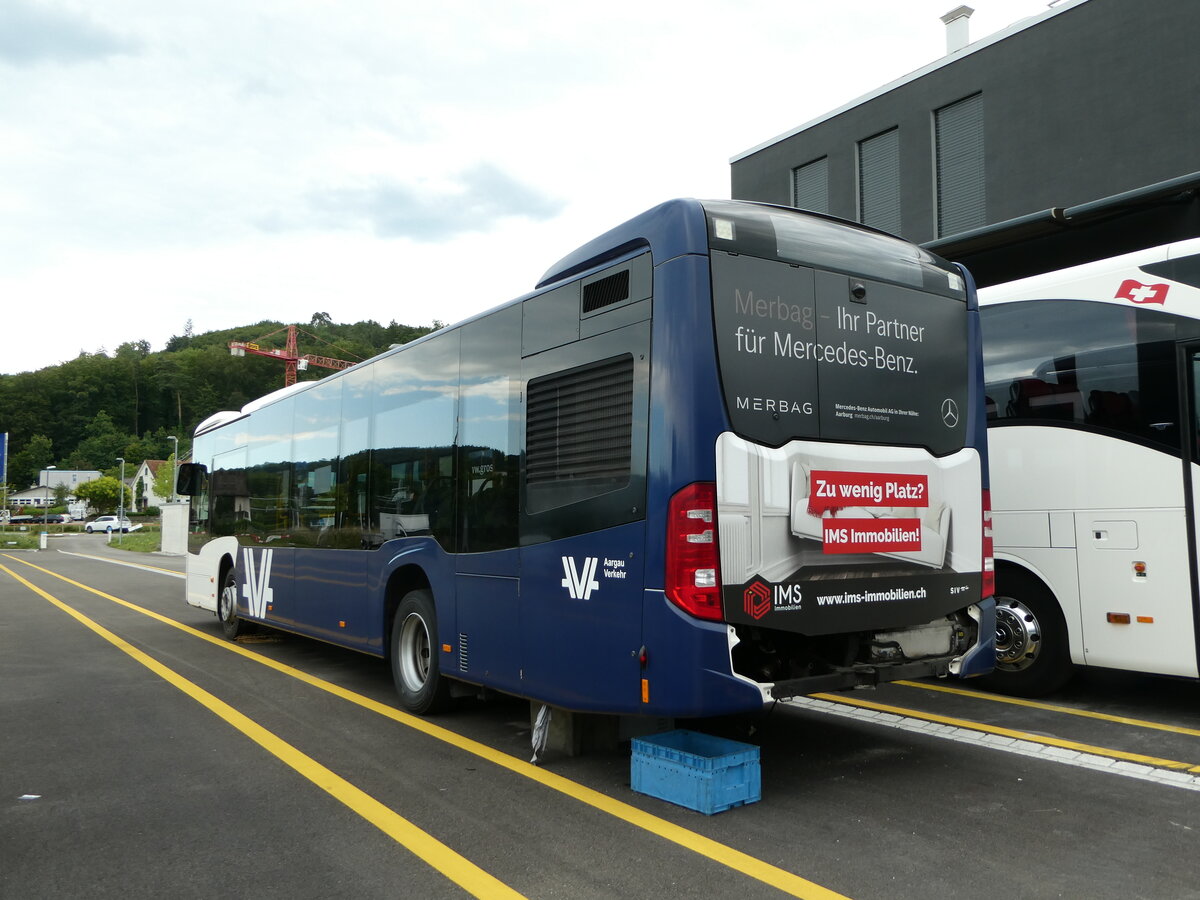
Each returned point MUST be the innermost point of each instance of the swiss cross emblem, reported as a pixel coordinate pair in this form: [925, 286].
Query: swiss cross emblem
[1136, 292]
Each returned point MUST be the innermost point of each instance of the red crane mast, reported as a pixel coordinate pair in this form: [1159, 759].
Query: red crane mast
[293, 360]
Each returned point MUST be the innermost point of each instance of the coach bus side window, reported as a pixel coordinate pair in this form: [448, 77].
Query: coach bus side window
[1093, 365]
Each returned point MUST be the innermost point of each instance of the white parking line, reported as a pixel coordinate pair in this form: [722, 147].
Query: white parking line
[1167, 777]
[121, 562]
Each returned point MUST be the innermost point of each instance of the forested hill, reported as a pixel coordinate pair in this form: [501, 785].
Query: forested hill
[87, 413]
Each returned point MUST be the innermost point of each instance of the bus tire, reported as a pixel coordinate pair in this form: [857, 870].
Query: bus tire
[1032, 654]
[231, 623]
[415, 669]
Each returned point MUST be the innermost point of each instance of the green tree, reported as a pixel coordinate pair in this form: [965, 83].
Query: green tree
[164, 478]
[102, 445]
[24, 465]
[153, 394]
[103, 494]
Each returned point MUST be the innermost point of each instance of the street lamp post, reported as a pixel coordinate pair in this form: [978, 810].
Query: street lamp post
[45, 517]
[174, 464]
[121, 502]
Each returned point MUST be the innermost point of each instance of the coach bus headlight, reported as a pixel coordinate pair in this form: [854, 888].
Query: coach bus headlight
[691, 580]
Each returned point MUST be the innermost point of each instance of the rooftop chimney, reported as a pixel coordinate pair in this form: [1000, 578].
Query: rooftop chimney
[957, 28]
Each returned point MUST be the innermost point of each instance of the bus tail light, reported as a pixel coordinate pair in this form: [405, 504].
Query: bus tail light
[989, 559]
[693, 583]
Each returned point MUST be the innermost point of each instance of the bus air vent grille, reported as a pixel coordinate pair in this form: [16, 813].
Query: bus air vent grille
[464, 654]
[579, 428]
[606, 291]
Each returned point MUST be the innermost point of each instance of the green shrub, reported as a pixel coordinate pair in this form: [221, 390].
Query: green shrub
[18, 540]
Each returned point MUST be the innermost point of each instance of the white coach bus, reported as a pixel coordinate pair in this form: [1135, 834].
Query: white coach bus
[1092, 376]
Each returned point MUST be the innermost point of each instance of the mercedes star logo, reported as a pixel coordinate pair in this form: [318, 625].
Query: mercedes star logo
[949, 412]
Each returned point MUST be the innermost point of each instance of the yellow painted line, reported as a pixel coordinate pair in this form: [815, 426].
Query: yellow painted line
[1050, 707]
[457, 868]
[122, 562]
[778, 878]
[846, 700]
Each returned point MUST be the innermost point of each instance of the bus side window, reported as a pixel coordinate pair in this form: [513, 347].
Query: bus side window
[490, 431]
[1118, 375]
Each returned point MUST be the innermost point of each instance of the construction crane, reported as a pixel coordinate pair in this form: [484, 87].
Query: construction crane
[292, 359]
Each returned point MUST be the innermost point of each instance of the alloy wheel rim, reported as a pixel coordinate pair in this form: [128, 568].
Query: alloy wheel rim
[1018, 635]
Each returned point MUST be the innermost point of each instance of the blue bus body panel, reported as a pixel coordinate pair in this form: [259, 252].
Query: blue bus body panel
[675, 228]
[486, 640]
[976, 413]
[426, 559]
[313, 591]
[330, 596]
[688, 669]
[686, 407]
[981, 658]
[581, 619]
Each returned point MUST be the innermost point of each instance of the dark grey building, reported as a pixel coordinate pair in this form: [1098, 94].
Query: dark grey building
[1015, 138]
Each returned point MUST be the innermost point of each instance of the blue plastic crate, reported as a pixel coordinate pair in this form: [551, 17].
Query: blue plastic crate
[705, 773]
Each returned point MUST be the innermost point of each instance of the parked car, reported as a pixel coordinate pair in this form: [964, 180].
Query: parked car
[109, 524]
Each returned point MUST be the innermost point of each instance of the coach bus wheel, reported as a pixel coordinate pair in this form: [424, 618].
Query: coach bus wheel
[414, 655]
[1032, 656]
[231, 623]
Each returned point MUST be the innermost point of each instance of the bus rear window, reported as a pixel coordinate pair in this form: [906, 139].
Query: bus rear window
[810, 353]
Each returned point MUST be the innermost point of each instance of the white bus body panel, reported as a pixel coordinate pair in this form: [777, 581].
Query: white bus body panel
[1059, 569]
[1141, 520]
[203, 570]
[1099, 281]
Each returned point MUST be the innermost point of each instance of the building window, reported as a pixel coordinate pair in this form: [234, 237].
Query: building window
[810, 185]
[879, 181]
[958, 138]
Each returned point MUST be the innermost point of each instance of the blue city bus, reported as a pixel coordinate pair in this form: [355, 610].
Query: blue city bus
[725, 454]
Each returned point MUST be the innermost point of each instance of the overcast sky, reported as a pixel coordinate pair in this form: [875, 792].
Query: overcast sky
[228, 162]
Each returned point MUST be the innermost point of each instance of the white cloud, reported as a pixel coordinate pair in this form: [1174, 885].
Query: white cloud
[34, 33]
[477, 200]
[231, 162]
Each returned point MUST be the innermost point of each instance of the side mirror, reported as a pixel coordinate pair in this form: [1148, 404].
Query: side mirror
[191, 479]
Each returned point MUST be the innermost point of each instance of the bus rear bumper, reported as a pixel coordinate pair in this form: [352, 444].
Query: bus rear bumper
[979, 659]
[849, 678]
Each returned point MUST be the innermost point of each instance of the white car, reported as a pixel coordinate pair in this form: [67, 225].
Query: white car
[108, 524]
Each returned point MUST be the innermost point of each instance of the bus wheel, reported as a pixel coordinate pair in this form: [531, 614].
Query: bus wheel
[1032, 656]
[421, 686]
[231, 623]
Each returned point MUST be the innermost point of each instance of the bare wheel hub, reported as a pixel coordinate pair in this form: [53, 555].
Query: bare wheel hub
[228, 603]
[414, 652]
